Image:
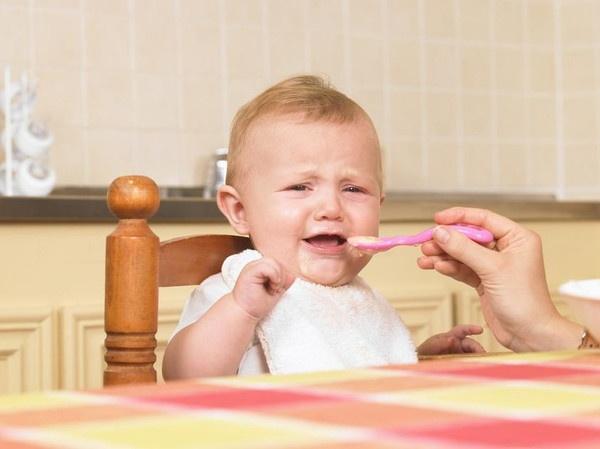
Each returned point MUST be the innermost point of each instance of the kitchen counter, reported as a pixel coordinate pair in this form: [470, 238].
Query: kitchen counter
[186, 205]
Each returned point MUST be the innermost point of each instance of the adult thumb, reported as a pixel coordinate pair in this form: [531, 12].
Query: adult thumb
[478, 258]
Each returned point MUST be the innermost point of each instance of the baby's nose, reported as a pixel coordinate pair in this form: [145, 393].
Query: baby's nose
[329, 208]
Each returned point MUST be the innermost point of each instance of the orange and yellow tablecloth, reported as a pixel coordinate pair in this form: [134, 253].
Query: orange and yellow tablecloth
[542, 401]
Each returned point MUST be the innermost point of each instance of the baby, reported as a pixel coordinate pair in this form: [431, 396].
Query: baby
[304, 174]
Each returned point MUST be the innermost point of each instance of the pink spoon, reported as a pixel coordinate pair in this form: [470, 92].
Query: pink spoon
[376, 244]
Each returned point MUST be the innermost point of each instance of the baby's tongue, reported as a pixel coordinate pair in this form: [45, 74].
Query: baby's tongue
[324, 240]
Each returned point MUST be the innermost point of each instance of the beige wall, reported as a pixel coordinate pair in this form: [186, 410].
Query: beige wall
[494, 95]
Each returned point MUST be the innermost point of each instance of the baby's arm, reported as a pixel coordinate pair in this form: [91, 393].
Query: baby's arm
[455, 341]
[215, 343]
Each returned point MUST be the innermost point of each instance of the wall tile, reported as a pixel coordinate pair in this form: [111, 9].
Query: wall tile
[405, 113]
[107, 42]
[542, 118]
[476, 67]
[201, 52]
[105, 147]
[367, 61]
[197, 149]
[579, 72]
[478, 173]
[287, 16]
[245, 53]
[401, 174]
[281, 45]
[202, 14]
[57, 4]
[508, 21]
[441, 65]
[511, 117]
[325, 16]
[156, 102]
[112, 7]
[57, 39]
[14, 36]
[243, 13]
[543, 166]
[327, 57]
[540, 22]
[439, 18]
[404, 63]
[510, 75]
[577, 22]
[365, 16]
[153, 156]
[60, 100]
[443, 165]
[155, 44]
[403, 19]
[441, 115]
[371, 100]
[580, 118]
[512, 165]
[68, 155]
[109, 99]
[582, 165]
[477, 115]
[474, 20]
[447, 82]
[202, 104]
[542, 77]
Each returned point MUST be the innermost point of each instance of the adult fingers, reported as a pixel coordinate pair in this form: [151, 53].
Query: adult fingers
[477, 257]
[457, 271]
[496, 224]
[431, 248]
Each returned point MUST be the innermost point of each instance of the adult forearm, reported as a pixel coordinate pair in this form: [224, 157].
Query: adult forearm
[213, 345]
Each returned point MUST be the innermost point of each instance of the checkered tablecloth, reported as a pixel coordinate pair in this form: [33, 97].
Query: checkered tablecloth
[542, 401]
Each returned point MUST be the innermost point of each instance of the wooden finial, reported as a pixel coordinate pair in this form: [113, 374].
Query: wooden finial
[131, 303]
[133, 197]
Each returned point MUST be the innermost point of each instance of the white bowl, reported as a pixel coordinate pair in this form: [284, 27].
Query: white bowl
[583, 297]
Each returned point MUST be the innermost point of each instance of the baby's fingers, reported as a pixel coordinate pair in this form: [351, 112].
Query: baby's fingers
[472, 346]
[276, 278]
[463, 330]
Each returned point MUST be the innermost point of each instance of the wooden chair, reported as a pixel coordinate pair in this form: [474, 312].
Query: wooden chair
[137, 264]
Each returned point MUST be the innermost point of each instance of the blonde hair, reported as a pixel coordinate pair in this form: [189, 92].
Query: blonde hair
[309, 95]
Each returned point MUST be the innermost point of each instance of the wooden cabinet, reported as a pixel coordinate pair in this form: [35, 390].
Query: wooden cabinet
[82, 342]
[27, 349]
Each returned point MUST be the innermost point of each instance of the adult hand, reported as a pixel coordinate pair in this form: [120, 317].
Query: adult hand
[509, 279]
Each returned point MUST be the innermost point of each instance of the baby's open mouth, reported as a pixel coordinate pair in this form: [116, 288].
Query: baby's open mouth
[326, 240]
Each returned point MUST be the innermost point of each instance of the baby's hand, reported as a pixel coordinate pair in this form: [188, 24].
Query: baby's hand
[260, 285]
[455, 341]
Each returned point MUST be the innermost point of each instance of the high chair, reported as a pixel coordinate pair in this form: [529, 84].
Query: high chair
[137, 264]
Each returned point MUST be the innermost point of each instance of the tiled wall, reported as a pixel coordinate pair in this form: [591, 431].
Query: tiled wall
[478, 95]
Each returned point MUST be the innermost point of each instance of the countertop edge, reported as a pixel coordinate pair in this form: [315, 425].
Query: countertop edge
[396, 208]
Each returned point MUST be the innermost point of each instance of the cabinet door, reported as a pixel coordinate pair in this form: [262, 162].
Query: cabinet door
[468, 310]
[27, 350]
[424, 314]
[82, 337]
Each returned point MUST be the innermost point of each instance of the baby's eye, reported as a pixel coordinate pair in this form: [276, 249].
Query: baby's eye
[298, 187]
[353, 189]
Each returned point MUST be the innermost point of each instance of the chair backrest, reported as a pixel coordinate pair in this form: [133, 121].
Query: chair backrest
[137, 264]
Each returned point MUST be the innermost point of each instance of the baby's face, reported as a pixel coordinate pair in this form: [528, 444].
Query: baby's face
[310, 186]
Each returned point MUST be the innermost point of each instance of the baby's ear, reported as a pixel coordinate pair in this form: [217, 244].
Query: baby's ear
[230, 204]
